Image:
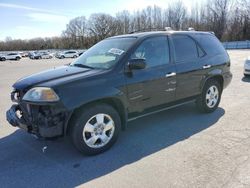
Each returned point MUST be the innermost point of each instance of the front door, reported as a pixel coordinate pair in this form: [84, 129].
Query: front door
[156, 84]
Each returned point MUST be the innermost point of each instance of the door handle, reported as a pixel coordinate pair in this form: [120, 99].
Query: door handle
[206, 66]
[170, 74]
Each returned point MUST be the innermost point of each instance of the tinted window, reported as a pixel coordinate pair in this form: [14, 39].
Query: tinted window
[185, 48]
[154, 50]
[210, 44]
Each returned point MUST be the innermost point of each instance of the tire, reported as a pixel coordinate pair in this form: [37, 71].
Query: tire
[89, 137]
[74, 56]
[3, 59]
[18, 58]
[209, 100]
[62, 57]
[246, 75]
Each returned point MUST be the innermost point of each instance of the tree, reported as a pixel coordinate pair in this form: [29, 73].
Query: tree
[102, 25]
[76, 31]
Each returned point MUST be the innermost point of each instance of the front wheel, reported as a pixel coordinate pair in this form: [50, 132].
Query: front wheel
[95, 129]
[210, 97]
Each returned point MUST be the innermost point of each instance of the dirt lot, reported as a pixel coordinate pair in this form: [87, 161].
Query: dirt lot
[175, 148]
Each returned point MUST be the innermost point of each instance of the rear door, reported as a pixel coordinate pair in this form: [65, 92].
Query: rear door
[67, 54]
[154, 85]
[189, 69]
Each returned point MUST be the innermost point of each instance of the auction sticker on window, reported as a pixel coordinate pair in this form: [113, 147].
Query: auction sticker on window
[116, 51]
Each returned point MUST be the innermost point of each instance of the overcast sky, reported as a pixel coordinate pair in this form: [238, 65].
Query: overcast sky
[25, 19]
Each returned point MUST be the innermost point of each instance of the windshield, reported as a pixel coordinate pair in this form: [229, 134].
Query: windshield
[105, 54]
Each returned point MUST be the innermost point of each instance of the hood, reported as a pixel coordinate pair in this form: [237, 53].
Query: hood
[50, 75]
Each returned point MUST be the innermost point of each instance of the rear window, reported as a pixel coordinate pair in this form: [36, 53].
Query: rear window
[210, 44]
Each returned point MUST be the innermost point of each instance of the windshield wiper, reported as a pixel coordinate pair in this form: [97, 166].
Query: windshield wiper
[82, 66]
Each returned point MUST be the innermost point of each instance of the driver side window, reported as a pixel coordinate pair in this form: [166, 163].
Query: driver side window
[154, 50]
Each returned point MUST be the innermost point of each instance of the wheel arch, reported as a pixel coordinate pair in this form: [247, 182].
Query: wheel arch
[116, 103]
[218, 77]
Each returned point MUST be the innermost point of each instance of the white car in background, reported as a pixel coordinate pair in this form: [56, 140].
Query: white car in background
[46, 55]
[68, 54]
[11, 56]
[247, 67]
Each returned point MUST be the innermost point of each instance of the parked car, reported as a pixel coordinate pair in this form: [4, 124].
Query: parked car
[120, 79]
[247, 67]
[1, 56]
[11, 56]
[68, 54]
[35, 55]
[46, 55]
[23, 54]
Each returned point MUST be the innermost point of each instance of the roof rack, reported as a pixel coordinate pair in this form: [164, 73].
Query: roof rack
[168, 29]
[145, 30]
[191, 29]
[153, 29]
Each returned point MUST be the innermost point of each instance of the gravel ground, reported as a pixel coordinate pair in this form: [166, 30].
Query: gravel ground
[175, 148]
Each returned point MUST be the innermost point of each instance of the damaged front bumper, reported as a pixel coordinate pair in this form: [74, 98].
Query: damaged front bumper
[43, 120]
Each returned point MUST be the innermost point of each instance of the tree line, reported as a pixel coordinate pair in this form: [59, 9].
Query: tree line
[228, 19]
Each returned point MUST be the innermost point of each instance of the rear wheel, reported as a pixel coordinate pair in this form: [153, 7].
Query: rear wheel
[210, 97]
[18, 58]
[95, 129]
[74, 56]
[3, 59]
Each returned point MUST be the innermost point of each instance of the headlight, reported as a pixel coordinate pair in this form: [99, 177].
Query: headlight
[41, 94]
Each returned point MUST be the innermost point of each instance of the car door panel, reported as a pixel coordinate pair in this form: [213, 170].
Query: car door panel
[189, 66]
[149, 88]
[153, 85]
[189, 76]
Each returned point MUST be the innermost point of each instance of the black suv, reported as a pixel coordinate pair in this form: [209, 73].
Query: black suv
[120, 79]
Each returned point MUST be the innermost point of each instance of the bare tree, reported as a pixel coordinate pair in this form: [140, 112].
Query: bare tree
[217, 16]
[175, 15]
[76, 31]
[102, 26]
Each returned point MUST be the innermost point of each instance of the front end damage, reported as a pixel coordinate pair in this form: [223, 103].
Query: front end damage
[42, 119]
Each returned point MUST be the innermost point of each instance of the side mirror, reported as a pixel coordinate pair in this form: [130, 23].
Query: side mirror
[137, 64]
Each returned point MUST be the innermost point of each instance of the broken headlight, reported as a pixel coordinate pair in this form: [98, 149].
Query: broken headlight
[41, 94]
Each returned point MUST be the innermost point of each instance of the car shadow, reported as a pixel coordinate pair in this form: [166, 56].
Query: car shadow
[246, 79]
[25, 161]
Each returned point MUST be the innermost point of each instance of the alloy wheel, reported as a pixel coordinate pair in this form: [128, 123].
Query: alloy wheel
[98, 130]
[212, 96]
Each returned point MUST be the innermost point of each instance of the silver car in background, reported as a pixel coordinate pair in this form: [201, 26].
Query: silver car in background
[68, 54]
[247, 67]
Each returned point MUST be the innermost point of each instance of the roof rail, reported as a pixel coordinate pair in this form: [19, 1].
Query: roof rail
[168, 29]
[191, 29]
[148, 29]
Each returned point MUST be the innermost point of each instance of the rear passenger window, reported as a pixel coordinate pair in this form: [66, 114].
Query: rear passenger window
[154, 50]
[185, 48]
[210, 44]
